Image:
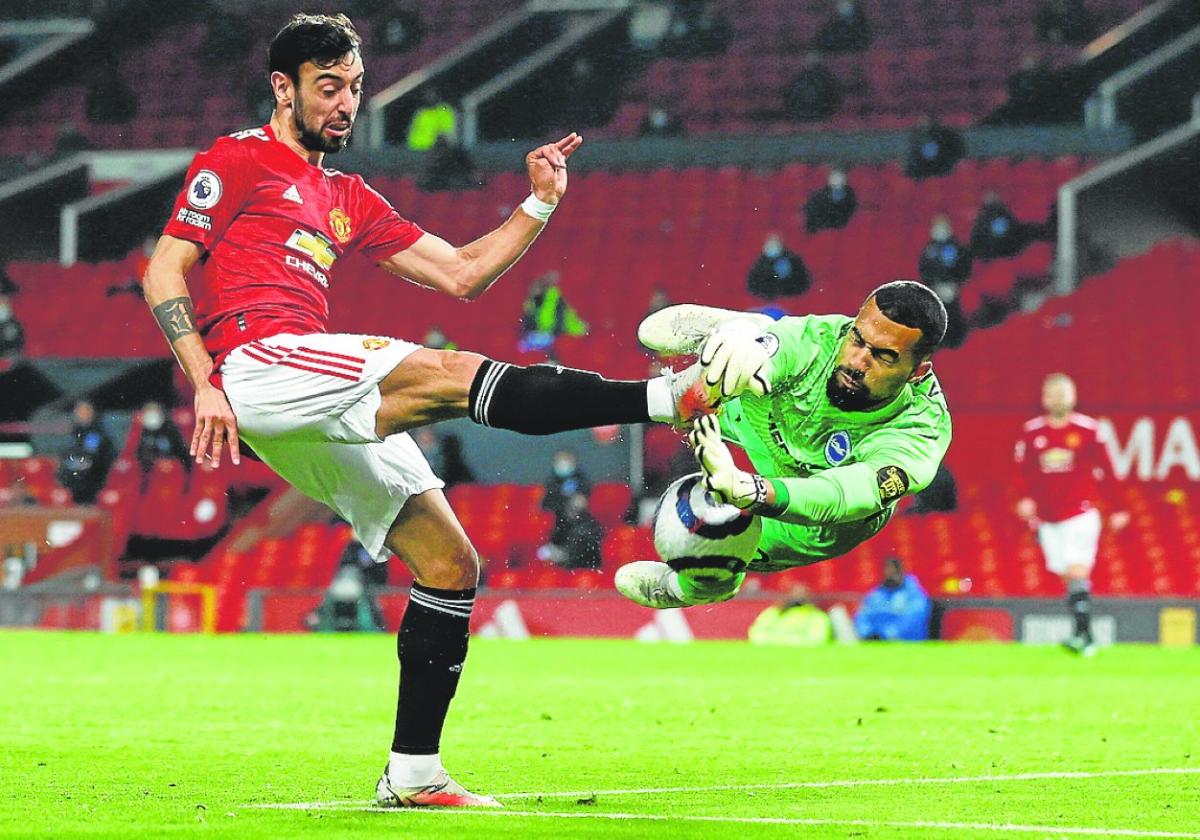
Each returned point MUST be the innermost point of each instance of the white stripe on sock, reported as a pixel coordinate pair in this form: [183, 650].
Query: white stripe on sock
[489, 390]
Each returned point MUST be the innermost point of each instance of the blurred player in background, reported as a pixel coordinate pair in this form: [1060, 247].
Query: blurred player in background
[1060, 464]
[841, 417]
[263, 223]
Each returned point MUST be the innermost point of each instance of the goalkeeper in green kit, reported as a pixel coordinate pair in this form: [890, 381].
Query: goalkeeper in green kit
[841, 418]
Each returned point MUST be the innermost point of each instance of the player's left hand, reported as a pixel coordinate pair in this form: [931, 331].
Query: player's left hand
[722, 478]
[547, 167]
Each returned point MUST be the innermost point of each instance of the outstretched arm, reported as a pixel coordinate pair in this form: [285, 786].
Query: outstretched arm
[467, 272]
[167, 295]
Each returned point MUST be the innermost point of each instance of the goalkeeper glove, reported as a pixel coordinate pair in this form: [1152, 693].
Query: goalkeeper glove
[722, 478]
[733, 361]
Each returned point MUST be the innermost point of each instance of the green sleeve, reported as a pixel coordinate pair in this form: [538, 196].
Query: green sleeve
[893, 462]
[798, 346]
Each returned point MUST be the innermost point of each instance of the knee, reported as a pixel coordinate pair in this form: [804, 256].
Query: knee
[456, 569]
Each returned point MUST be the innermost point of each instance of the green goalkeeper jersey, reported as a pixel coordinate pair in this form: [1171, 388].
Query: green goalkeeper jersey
[844, 471]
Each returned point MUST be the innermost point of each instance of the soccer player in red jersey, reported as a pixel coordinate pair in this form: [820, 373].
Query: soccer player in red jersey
[1061, 463]
[259, 226]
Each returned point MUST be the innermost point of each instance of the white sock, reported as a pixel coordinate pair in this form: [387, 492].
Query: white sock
[413, 770]
[659, 404]
[673, 585]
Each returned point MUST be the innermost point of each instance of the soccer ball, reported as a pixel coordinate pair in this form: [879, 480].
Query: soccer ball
[692, 531]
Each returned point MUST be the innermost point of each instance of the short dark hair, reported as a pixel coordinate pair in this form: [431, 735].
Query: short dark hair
[321, 39]
[914, 305]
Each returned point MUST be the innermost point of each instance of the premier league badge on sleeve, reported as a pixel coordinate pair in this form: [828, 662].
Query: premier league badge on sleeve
[205, 190]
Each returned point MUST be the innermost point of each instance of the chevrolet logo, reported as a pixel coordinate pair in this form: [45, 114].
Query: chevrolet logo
[314, 246]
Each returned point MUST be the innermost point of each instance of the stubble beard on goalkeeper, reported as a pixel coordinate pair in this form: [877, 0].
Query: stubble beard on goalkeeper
[877, 358]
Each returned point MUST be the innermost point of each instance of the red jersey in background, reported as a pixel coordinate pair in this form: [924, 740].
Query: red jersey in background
[1060, 468]
[272, 226]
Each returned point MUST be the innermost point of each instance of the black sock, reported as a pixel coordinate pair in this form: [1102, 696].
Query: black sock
[544, 399]
[1080, 603]
[432, 645]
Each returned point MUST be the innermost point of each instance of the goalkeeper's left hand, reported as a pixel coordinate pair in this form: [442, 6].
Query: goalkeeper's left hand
[722, 478]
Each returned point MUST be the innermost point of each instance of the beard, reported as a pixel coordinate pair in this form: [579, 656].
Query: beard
[317, 141]
[848, 399]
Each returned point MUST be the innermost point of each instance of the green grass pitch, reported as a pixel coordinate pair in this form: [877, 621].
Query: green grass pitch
[140, 736]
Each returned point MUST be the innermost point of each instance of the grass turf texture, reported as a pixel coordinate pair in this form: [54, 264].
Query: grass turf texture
[155, 735]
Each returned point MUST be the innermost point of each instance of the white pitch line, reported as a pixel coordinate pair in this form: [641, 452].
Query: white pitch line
[933, 780]
[947, 826]
[945, 780]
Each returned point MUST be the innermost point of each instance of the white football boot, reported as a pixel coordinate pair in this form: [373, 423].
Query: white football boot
[680, 330]
[689, 396]
[442, 792]
[647, 582]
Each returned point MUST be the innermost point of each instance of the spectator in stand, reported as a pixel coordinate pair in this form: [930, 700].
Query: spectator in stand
[1064, 22]
[944, 266]
[698, 29]
[659, 122]
[1060, 464]
[454, 466]
[846, 31]
[346, 607]
[546, 315]
[566, 480]
[1030, 89]
[448, 166]
[777, 272]
[435, 339]
[70, 140]
[895, 611]
[398, 29]
[140, 259]
[109, 98]
[85, 463]
[160, 438]
[934, 149]
[658, 300]
[12, 335]
[435, 118]
[794, 621]
[814, 94]
[941, 496]
[944, 259]
[958, 325]
[228, 37]
[832, 205]
[7, 286]
[575, 541]
[997, 233]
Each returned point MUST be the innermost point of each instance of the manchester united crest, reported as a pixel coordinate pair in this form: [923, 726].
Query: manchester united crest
[375, 343]
[339, 223]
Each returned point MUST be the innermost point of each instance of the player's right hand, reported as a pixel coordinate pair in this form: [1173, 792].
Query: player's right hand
[734, 361]
[547, 167]
[728, 484]
[215, 424]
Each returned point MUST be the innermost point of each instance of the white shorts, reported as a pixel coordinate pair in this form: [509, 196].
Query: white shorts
[306, 404]
[1071, 542]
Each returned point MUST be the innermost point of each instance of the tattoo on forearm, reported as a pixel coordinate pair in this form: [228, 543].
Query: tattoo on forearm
[176, 318]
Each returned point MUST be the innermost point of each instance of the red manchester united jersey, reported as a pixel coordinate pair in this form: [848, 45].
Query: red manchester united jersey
[272, 226]
[1060, 467]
